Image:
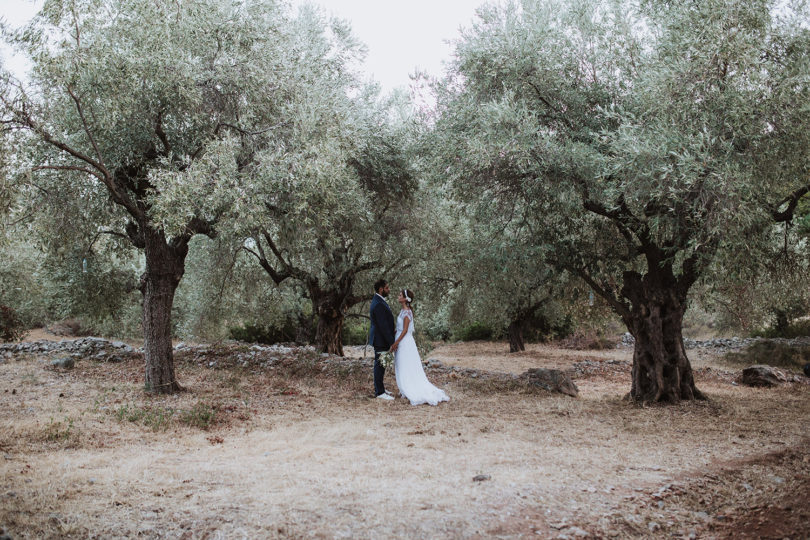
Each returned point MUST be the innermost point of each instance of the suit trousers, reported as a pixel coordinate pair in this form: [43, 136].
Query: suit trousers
[379, 373]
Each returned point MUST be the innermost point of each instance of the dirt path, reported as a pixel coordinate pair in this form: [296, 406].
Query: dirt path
[299, 449]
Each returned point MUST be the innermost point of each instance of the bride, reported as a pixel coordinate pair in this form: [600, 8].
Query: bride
[411, 379]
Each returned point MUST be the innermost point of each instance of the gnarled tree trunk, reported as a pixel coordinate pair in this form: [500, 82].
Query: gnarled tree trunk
[165, 265]
[661, 369]
[329, 334]
[515, 331]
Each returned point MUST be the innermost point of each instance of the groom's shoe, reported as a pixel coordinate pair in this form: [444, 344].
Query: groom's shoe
[385, 396]
[389, 393]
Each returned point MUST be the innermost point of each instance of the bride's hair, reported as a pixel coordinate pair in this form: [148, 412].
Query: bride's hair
[408, 294]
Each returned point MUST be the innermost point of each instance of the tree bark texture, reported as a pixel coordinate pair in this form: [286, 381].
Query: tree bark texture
[165, 265]
[329, 334]
[661, 369]
[515, 331]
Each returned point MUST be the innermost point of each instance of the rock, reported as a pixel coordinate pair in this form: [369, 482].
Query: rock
[65, 363]
[761, 375]
[577, 532]
[481, 478]
[434, 363]
[552, 380]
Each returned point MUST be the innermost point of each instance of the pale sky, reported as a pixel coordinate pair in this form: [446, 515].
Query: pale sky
[402, 36]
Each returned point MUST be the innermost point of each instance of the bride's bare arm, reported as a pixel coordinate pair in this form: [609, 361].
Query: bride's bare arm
[405, 324]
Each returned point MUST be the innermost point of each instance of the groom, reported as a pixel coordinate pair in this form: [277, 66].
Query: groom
[381, 335]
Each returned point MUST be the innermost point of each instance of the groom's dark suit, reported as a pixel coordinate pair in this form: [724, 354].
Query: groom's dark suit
[381, 337]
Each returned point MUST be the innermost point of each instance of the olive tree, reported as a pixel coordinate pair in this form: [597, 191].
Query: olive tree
[329, 210]
[499, 276]
[334, 215]
[637, 138]
[127, 99]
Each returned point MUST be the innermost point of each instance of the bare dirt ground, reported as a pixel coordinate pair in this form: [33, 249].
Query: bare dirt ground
[299, 449]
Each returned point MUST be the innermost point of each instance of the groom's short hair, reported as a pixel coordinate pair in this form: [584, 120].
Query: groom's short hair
[379, 284]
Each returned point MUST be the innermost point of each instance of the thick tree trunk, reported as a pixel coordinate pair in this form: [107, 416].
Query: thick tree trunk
[661, 369]
[165, 266]
[515, 331]
[782, 321]
[329, 335]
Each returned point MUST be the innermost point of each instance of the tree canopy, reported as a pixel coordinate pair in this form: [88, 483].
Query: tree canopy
[139, 107]
[638, 138]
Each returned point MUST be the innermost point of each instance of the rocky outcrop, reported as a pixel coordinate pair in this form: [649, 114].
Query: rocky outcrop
[552, 380]
[762, 375]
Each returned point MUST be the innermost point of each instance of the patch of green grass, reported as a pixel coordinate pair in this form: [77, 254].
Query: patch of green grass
[58, 430]
[155, 418]
[201, 416]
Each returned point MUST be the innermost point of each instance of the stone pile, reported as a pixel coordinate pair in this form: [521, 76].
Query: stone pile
[93, 348]
[601, 367]
[726, 344]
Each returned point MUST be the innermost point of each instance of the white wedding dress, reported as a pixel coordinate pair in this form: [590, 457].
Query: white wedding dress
[411, 379]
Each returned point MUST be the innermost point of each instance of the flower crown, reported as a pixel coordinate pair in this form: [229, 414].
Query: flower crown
[407, 298]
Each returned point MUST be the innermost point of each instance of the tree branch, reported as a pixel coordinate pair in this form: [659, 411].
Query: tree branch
[548, 104]
[792, 201]
[25, 120]
[100, 166]
[275, 275]
[162, 134]
[246, 132]
[615, 302]
[67, 168]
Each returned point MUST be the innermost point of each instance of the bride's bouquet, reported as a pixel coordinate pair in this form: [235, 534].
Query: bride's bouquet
[386, 359]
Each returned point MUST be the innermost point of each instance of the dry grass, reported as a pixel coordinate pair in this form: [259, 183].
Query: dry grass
[300, 449]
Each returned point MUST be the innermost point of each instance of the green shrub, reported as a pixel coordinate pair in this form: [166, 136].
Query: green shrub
[267, 335]
[789, 331]
[541, 329]
[355, 332]
[771, 353]
[473, 332]
[435, 323]
[11, 327]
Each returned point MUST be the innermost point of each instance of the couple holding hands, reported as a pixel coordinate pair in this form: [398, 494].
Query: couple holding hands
[410, 375]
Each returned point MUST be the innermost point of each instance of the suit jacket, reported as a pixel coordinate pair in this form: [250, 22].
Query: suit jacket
[381, 335]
